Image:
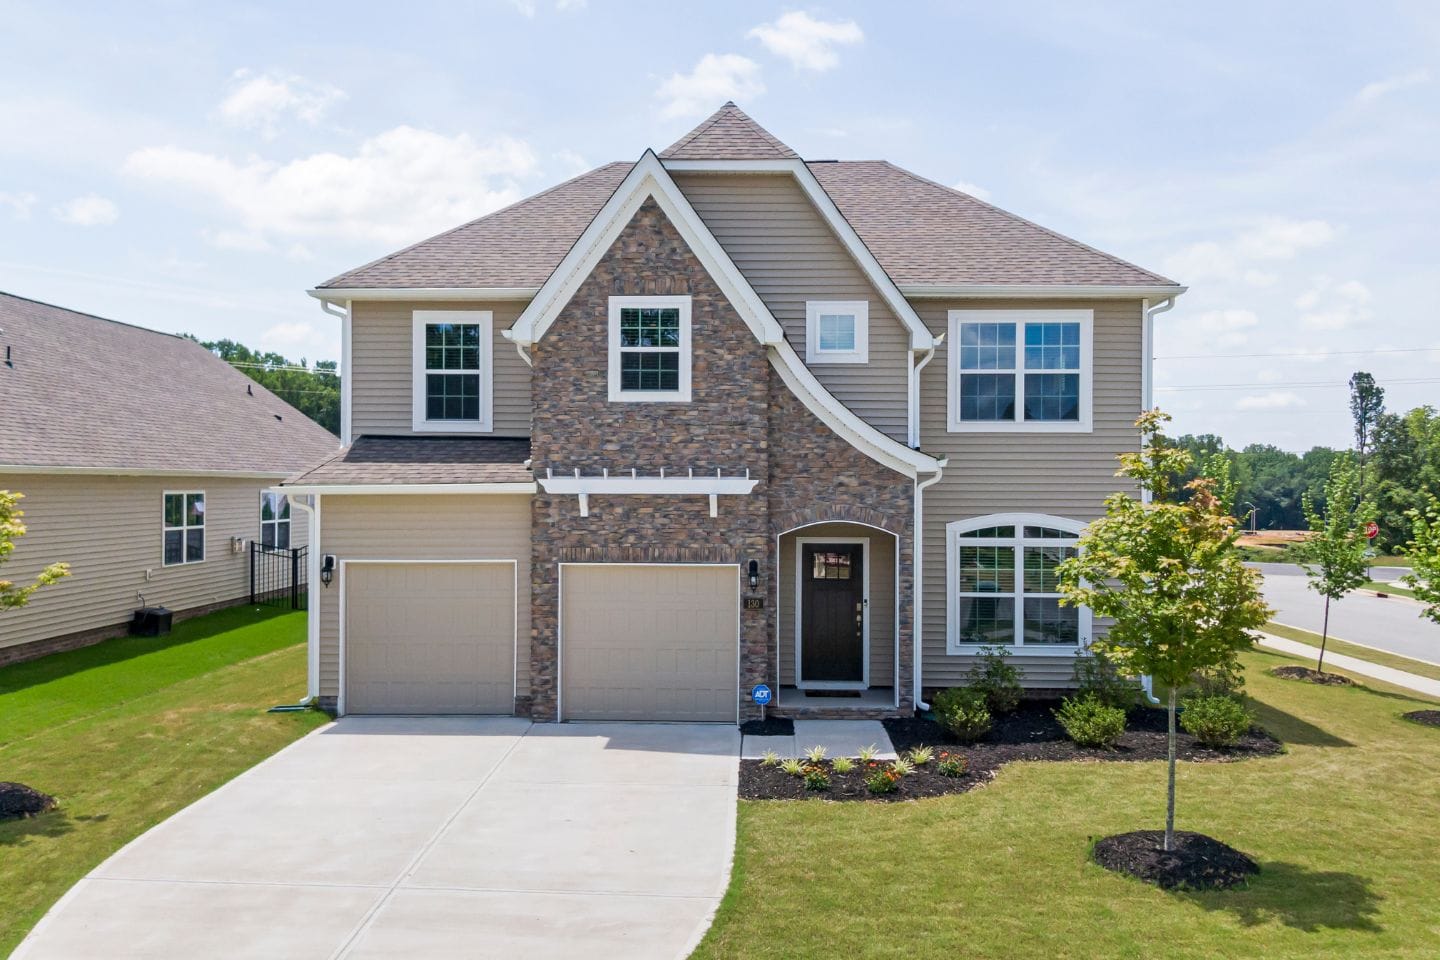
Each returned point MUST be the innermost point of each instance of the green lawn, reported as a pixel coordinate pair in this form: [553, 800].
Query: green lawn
[127, 732]
[1390, 588]
[1345, 826]
[1332, 645]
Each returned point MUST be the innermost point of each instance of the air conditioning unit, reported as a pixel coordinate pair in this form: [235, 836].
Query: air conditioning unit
[150, 622]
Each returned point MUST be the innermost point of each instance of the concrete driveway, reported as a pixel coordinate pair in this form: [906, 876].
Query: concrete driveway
[436, 837]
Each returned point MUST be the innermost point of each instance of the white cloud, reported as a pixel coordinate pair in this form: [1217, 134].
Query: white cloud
[1275, 399]
[298, 339]
[1403, 81]
[400, 185]
[571, 163]
[18, 203]
[1225, 328]
[1272, 240]
[974, 189]
[1328, 305]
[87, 211]
[529, 8]
[808, 44]
[716, 78]
[262, 101]
[1283, 239]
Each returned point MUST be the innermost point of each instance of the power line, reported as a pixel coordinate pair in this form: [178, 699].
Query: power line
[1329, 353]
[292, 367]
[1305, 385]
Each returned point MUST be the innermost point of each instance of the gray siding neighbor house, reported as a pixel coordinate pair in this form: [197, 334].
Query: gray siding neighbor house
[718, 417]
[144, 460]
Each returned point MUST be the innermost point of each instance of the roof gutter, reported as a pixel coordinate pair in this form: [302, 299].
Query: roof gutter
[380, 489]
[341, 294]
[39, 468]
[1041, 291]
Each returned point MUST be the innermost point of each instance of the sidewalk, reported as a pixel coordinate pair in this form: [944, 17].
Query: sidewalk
[1400, 678]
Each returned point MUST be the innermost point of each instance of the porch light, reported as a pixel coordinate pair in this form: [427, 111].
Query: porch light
[327, 569]
[754, 574]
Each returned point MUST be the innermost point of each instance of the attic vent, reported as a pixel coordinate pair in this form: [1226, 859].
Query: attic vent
[249, 392]
[8, 362]
[278, 417]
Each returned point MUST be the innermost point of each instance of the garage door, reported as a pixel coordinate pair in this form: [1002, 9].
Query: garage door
[430, 638]
[649, 642]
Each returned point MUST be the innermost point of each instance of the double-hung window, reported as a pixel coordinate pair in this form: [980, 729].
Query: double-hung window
[1005, 586]
[1020, 370]
[274, 520]
[184, 528]
[452, 377]
[649, 349]
[837, 331]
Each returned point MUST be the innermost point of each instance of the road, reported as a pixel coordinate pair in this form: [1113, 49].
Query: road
[1393, 624]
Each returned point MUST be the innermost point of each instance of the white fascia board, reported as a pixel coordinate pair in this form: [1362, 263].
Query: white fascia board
[835, 415]
[647, 178]
[1032, 291]
[920, 336]
[381, 489]
[32, 468]
[339, 295]
[655, 486]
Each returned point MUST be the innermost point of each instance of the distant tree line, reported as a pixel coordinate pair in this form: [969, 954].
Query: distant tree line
[314, 391]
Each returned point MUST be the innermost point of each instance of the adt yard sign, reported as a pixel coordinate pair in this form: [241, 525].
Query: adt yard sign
[760, 694]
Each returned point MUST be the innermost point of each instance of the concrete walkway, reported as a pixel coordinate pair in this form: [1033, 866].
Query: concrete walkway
[434, 837]
[840, 738]
[1400, 678]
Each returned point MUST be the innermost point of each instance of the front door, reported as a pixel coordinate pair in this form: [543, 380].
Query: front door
[832, 613]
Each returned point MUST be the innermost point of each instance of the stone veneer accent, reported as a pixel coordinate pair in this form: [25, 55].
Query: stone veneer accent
[740, 417]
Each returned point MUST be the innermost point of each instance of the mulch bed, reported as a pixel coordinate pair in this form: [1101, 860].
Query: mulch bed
[1029, 733]
[18, 800]
[1431, 718]
[769, 727]
[1198, 862]
[1312, 676]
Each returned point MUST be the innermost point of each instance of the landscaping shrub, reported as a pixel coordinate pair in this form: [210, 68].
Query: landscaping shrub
[1090, 722]
[793, 767]
[963, 711]
[951, 765]
[921, 755]
[816, 777]
[1226, 680]
[842, 764]
[1215, 721]
[1097, 676]
[882, 779]
[996, 680]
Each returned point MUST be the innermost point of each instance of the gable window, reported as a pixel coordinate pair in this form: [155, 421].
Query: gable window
[1020, 370]
[274, 520]
[184, 528]
[1004, 586]
[650, 349]
[837, 331]
[452, 374]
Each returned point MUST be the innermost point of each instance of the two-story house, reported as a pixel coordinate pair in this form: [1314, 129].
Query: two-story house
[715, 418]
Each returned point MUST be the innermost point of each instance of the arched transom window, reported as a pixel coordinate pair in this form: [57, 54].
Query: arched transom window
[1004, 585]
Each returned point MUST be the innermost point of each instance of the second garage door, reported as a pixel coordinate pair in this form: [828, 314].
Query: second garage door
[649, 642]
[430, 638]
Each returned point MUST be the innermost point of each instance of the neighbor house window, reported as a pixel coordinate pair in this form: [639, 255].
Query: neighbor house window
[274, 520]
[650, 349]
[837, 331]
[1005, 585]
[184, 528]
[1014, 370]
[452, 373]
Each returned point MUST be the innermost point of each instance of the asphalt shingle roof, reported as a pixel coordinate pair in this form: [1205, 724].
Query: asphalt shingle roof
[728, 134]
[82, 391]
[396, 460]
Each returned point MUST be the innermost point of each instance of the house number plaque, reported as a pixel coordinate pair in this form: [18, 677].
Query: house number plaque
[754, 603]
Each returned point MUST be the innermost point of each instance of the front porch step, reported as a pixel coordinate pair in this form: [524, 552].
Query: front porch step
[806, 712]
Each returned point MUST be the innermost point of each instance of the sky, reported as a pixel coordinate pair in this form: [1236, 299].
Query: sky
[197, 167]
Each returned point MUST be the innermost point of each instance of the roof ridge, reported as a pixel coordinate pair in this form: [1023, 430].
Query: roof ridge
[1015, 216]
[92, 316]
[690, 137]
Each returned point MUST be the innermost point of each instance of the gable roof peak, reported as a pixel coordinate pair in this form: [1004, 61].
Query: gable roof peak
[728, 134]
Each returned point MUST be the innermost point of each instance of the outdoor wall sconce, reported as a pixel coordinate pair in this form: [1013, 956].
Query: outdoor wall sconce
[754, 574]
[327, 569]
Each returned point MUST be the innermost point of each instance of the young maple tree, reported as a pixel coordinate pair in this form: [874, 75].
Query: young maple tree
[11, 529]
[1336, 554]
[1167, 576]
[1424, 551]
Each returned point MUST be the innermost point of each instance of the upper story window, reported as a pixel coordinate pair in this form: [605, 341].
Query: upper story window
[452, 374]
[650, 349]
[837, 331]
[184, 528]
[1020, 370]
[274, 519]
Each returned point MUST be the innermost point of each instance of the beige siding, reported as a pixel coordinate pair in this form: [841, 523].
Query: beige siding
[381, 336]
[436, 527]
[109, 529]
[1063, 474]
[882, 598]
[785, 249]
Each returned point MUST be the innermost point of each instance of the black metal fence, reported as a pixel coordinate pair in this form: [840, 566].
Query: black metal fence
[278, 576]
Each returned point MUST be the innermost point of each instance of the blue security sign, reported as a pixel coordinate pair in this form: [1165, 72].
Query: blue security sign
[760, 694]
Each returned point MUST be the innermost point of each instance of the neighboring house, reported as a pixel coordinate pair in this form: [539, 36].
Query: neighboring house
[674, 428]
[145, 461]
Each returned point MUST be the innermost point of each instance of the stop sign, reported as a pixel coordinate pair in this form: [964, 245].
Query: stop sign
[1372, 530]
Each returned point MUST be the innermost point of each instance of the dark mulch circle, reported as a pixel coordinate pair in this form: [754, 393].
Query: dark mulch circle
[1198, 862]
[18, 800]
[1312, 676]
[769, 727]
[1431, 718]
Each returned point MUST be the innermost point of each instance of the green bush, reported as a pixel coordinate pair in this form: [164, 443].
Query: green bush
[1215, 721]
[1096, 676]
[1090, 722]
[816, 777]
[963, 712]
[951, 764]
[994, 678]
[1226, 680]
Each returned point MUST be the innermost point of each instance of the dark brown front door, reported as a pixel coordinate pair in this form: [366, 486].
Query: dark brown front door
[832, 613]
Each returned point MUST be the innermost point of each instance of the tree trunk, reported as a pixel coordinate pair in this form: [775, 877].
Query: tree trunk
[1324, 635]
[1170, 790]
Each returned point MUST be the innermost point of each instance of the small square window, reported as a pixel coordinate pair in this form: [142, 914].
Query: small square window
[837, 331]
[650, 349]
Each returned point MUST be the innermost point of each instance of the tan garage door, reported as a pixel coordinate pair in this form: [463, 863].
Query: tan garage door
[648, 642]
[430, 638]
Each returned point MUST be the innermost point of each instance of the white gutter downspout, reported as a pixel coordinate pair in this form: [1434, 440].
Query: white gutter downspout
[312, 603]
[917, 565]
[915, 390]
[520, 347]
[1147, 403]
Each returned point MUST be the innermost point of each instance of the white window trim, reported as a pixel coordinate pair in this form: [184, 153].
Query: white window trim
[185, 527]
[290, 530]
[813, 351]
[1086, 319]
[486, 321]
[682, 395]
[955, 535]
